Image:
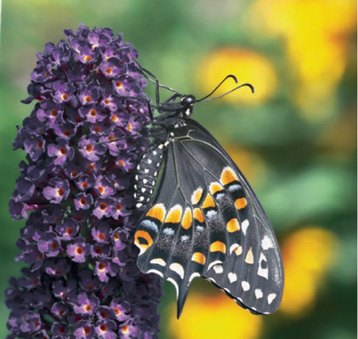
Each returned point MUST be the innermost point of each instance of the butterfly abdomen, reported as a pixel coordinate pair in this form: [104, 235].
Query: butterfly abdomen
[146, 175]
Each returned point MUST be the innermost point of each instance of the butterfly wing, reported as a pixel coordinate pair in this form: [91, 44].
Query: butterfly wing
[205, 220]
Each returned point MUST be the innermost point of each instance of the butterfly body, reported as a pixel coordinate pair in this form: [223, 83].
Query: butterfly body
[201, 217]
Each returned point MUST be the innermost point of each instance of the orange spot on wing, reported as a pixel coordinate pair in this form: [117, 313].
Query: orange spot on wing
[233, 225]
[157, 212]
[228, 176]
[208, 202]
[215, 187]
[174, 214]
[199, 258]
[187, 219]
[218, 246]
[196, 196]
[240, 203]
[198, 215]
[143, 235]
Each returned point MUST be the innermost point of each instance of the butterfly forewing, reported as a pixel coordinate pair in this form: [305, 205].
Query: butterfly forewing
[205, 220]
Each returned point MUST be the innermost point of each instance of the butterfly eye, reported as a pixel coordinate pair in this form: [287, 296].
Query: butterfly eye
[188, 100]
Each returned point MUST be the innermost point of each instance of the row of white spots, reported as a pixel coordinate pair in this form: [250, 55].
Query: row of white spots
[245, 285]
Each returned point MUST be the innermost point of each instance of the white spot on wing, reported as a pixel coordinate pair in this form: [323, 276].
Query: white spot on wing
[214, 263]
[244, 225]
[158, 261]
[266, 243]
[258, 293]
[245, 285]
[271, 297]
[232, 277]
[156, 272]
[177, 268]
[218, 269]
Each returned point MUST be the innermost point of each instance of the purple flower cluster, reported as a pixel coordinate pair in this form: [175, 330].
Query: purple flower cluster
[82, 139]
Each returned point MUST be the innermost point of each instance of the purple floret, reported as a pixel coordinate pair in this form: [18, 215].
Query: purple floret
[82, 139]
[78, 250]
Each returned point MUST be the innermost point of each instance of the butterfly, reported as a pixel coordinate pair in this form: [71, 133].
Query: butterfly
[201, 217]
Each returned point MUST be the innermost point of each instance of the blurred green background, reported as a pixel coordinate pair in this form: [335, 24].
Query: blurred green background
[295, 139]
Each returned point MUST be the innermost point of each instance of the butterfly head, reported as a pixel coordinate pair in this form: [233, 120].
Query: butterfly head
[187, 102]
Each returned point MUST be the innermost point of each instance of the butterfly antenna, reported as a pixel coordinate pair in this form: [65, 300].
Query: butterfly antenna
[232, 90]
[217, 87]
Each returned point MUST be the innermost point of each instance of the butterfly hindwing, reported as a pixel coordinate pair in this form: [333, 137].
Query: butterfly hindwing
[204, 220]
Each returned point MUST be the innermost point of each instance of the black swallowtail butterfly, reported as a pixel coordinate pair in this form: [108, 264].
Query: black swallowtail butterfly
[200, 215]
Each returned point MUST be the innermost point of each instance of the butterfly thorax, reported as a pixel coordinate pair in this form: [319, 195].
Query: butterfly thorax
[172, 116]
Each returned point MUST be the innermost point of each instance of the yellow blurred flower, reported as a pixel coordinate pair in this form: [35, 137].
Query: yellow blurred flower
[247, 66]
[316, 34]
[307, 254]
[212, 317]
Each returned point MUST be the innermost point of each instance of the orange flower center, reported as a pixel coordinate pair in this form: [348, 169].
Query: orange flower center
[89, 148]
[63, 150]
[103, 206]
[83, 201]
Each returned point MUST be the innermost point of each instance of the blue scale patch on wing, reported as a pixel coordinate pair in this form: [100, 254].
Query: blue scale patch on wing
[204, 220]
